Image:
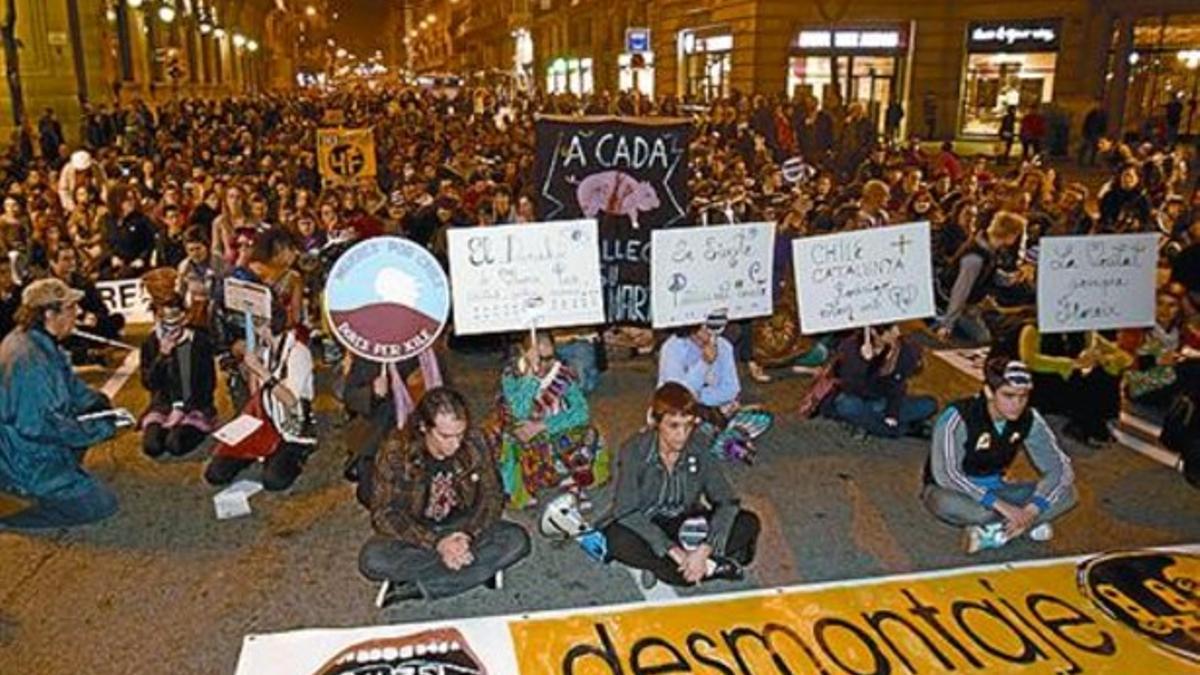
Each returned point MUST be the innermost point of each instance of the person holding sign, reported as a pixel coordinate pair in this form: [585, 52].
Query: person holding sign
[873, 369]
[280, 372]
[546, 438]
[1077, 375]
[702, 360]
[676, 517]
[49, 417]
[975, 443]
[436, 508]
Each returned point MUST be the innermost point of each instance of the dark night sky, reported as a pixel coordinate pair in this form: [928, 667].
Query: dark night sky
[360, 24]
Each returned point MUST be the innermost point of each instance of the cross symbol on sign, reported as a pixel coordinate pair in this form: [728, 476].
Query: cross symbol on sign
[346, 160]
[902, 244]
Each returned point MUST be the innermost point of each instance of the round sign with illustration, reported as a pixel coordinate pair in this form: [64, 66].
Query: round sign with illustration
[1156, 593]
[387, 299]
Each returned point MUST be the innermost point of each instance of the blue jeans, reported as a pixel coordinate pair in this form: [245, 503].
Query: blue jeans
[580, 355]
[93, 504]
[868, 413]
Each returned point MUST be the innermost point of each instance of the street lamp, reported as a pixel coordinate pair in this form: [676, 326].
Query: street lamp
[134, 4]
[239, 40]
[219, 33]
[310, 11]
[166, 12]
[252, 45]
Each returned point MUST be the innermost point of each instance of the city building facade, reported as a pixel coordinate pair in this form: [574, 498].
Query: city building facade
[952, 67]
[75, 53]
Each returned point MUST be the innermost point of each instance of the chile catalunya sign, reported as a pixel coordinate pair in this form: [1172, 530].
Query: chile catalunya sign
[1125, 612]
[696, 269]
[1096, 282]
[629, 174]
[863, 277]
[387, 299]
[514, 277]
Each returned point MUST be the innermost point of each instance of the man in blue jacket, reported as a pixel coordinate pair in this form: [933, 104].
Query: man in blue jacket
[42, 438]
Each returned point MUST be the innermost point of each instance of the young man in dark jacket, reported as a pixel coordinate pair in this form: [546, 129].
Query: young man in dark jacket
[436, 507]
[975, 443]
[660, 524]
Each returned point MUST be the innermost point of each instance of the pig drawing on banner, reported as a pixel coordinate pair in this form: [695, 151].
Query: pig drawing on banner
[616, 194]
[628, 174]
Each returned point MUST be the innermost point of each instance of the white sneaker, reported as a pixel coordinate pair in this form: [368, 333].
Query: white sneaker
[1043, 532]
[382, 596]
[981, 537]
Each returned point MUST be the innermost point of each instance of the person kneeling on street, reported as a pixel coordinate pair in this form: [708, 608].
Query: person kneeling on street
[975, 443]
[280, 372]
[436, 508]
[179, 372]
[46, 417]
[675, 517]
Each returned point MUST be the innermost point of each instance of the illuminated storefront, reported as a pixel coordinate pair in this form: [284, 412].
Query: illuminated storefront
[871, 62]
[1164, 66]
[1008, 63]
[706, 56]
[570, 75]
[635, 66]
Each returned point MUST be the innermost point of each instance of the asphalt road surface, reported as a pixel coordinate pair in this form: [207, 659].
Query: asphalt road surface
[164, 586]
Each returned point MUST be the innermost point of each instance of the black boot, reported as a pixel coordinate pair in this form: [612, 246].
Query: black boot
[728, 569]
[392, 592]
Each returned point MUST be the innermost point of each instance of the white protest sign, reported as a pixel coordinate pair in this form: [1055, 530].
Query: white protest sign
[1096, 282]
[128, 298]
[511, 277]
[246, 296]
[864, 277]
[694, 270]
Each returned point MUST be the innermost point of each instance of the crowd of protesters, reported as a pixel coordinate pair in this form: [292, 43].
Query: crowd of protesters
[214, 190]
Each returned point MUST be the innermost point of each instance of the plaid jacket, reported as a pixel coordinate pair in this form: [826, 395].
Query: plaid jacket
[403, 478]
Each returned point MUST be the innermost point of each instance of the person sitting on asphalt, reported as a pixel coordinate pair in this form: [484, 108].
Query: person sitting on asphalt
[45, 429]
[873, 369]
[436, 508]
[280, 371]
[373, 409]
[703, 360]
[674, 515]
[545, 433]
[94, 314]
[1077, 375]
[179, 373]
[975, 443]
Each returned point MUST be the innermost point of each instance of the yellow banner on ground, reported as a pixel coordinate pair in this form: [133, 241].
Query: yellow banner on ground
[346, 156]
[1127, 613]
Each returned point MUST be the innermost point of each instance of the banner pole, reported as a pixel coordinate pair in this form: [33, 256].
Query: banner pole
[249, 330]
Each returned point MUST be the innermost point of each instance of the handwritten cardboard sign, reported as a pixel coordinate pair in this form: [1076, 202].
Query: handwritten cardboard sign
[694, 270]
[510, 277]
[246, 296]
[1096, 282]
[864, 277]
